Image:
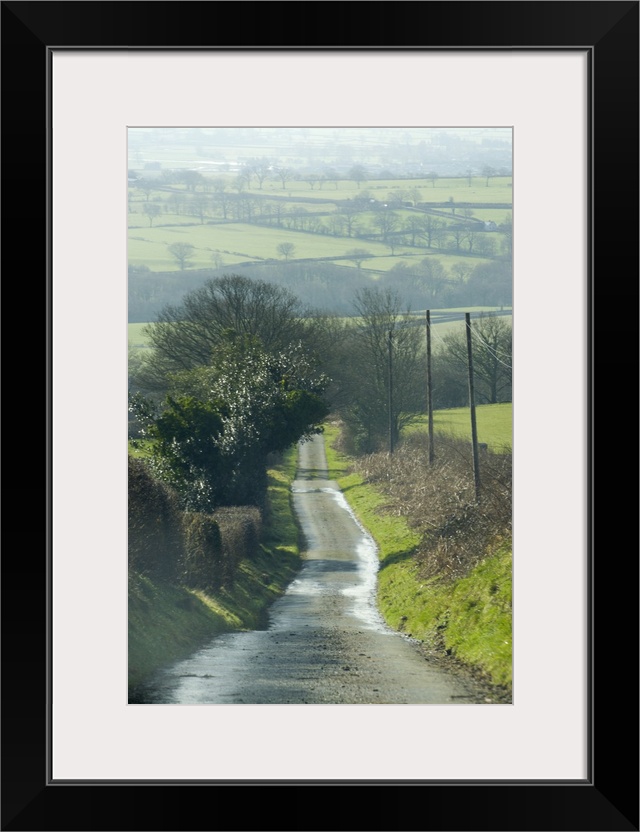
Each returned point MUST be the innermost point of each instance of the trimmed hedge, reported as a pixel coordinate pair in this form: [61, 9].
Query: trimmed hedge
[241, 529]
[156, 541]
[197, 550]
[203, 565]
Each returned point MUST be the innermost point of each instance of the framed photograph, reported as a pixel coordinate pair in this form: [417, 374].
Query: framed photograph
[563, 79]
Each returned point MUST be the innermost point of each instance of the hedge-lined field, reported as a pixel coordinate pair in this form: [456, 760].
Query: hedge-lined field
[235, 243]
[494, 424]
[223, 236]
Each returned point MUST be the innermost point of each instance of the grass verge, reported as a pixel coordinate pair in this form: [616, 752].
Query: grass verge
[469, 618]
[167, 622]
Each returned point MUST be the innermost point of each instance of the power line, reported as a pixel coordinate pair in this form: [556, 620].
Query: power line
[489, 349]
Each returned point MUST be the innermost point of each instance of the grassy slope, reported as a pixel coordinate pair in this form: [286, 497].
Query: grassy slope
[471, 617]
[494, 424]
[167, 622]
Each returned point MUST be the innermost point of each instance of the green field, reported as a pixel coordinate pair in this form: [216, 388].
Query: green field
[497, 215]
[494, 424]
[228, 244]
[235, 243]
[220, 242]
[137, 337]
[442, 328]
[500, 188]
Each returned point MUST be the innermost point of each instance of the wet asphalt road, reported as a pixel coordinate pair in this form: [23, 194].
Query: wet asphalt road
[325, 642]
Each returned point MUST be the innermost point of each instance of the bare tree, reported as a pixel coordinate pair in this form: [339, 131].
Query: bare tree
[284, 175]
[413, 225]
[488, 172]
[485, 245]
[386, 222]
[191, 178]
[336, 225]
[492, 356]
[398, 197]
[241, 182]
[366, 413]
[470, 238]
[506, 229]
[147, 187]
[393, 241]
[152, 210]
[176, 202]
[461, 271]
[433, 176]
[358, 174]
[184, 336]
[286, 250]
[430, 227]
[260, 168]
[457, 235]
[431, 278]
[349, 213]
[221, 196]
[332, 175]
[199, 206]
[358, 256]
[182, 252]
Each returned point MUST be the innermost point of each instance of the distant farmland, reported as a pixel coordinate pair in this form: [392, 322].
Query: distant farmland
[321, 220]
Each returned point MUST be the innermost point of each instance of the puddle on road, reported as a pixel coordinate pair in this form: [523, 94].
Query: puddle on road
[362, 594]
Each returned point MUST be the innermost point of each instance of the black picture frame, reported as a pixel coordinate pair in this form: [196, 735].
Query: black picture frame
[608, 798]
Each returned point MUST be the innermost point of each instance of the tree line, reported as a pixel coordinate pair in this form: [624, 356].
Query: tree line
[327, 285]
[258, 170]
[241, 369]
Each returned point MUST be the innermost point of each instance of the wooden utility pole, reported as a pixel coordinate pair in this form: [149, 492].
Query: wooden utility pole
[472, 405]
[429, 391]
[391, 427]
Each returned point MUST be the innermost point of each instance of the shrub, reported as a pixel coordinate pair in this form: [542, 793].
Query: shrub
[203, 563]
[155, 542]
[241, 531]
[439, 500]
[198, 549]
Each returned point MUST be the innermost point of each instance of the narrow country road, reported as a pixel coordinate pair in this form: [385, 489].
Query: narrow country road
[325, 642]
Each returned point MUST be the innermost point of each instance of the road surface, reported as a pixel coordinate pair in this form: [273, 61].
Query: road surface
[325, 642]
